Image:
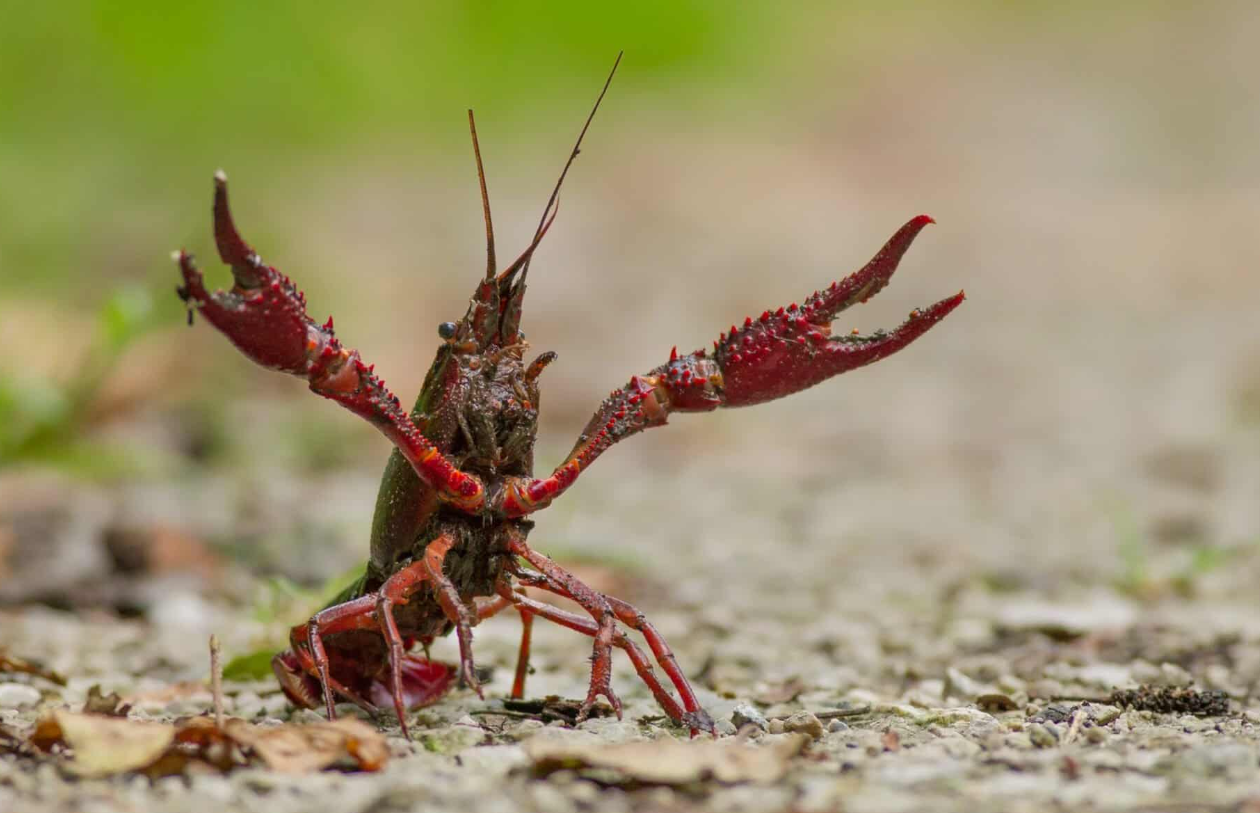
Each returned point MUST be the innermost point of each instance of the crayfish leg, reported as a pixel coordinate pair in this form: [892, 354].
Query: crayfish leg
[594, 603]
[697, 720]
[493, 606]
[605, 610]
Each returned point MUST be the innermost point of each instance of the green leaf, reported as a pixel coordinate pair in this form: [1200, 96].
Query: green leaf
[125, 315]
[254, 666]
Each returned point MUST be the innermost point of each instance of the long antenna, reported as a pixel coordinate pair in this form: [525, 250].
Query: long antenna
[577, 148]
[485, 200]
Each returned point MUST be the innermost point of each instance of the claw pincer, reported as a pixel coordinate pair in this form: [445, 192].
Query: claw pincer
[793, 348]
[782, 352]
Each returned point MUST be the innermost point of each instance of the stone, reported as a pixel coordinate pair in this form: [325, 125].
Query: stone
[18, 696]
[1041, 736]
[803, 722]
[747, 714]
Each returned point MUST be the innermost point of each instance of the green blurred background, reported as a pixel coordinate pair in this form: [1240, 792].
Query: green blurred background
[1094, 168]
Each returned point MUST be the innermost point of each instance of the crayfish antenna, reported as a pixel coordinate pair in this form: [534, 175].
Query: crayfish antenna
[485, 199]
[577, 148]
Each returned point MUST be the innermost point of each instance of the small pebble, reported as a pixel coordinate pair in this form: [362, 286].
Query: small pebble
[18, 695]
[1174, 675]
[837, 725]
[776, 727]
[804, 722]
[745, 713]
[1042, 737]
[1096, 735]
[525, 729]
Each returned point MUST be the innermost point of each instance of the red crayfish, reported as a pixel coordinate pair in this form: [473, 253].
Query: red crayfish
[448, 540]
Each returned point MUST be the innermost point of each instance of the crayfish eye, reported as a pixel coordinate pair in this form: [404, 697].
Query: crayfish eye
[446, 331]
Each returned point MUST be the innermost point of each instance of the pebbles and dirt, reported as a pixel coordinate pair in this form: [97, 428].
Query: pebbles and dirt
[926, 585]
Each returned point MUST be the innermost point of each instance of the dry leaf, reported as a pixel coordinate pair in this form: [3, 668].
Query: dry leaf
[103, 746]
[12, 663]
[111, 705]
[299, 749]
[670, 762]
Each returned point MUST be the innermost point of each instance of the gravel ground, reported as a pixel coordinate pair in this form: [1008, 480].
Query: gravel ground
[919, 585]
[942, 620]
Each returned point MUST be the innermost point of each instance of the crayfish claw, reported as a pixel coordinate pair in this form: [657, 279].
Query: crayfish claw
[233, 249]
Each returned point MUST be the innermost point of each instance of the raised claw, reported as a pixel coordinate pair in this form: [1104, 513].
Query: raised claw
[777, 354]
[794, 348]
[264, 315]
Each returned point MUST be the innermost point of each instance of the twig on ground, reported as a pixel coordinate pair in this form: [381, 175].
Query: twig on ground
[1074, 726]
[216, 680]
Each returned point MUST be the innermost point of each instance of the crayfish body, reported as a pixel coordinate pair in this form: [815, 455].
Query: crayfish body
[449, 537]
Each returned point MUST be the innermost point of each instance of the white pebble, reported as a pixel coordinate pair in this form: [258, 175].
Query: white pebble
[18, 696]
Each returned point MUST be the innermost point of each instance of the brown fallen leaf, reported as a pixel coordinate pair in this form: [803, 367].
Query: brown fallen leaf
[111, 705]
[101, 745]
[346, 742]
[669, 761]
[12, 663]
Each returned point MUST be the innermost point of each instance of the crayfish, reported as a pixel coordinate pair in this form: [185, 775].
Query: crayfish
[448, 539]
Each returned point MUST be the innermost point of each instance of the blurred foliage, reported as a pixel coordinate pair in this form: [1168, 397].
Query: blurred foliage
[1148, 574]
[46, 421]
[107, 108]
[281, 603]
[112, 113]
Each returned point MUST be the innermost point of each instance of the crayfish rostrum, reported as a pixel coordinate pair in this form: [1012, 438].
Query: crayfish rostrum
[448, 540]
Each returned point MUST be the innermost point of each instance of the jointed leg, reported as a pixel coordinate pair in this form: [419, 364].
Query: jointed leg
[522, 656]
[456, 611]
[595, 604]
[303, 663]
[492, 606]
[587, 627]
[356, 614]
[397, 589]
[695, 716]
[370, 611]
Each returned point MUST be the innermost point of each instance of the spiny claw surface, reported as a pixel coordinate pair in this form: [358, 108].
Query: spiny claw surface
[264, 315]
[793, 348]
[777, 354]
